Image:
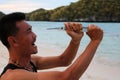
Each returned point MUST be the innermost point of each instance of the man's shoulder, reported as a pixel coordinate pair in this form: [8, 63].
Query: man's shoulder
[18, 74]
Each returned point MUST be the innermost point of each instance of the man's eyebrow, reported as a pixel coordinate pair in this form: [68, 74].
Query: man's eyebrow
[30, 28]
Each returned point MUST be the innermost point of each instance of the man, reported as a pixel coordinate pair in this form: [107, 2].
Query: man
[16, 34]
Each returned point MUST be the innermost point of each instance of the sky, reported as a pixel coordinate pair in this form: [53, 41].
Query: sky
[9, 6]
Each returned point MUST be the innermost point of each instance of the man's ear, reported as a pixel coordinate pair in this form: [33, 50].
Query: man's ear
[12, 41]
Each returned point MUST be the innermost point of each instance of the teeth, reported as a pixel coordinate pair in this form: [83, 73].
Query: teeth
[34, 45]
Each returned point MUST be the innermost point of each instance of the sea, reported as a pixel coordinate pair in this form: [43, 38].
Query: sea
[58, 40]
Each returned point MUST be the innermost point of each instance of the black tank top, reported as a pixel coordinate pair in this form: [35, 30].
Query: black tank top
[12, 66]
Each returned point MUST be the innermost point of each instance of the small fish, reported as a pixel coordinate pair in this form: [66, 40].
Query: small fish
[63, 28]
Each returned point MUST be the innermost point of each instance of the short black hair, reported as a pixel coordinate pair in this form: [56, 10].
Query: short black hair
[8, 26]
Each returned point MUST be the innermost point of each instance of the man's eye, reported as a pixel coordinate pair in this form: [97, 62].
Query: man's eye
[29, 31]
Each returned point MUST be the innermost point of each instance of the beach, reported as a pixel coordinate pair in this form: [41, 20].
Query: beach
[105, 64]
[97, 70]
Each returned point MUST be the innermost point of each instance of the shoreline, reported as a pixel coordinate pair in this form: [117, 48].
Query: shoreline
[81, 21]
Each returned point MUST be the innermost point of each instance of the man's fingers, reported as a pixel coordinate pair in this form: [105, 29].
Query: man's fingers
[80, 27]
[92, 26]
[68, 26]
[76, 27]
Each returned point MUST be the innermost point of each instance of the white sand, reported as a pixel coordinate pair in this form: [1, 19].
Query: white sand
[3, 56]
[98, 69]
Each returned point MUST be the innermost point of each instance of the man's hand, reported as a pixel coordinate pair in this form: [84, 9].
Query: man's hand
[74, 31]
[95, 33]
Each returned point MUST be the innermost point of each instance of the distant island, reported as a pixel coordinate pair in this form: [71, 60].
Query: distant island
[81, 11]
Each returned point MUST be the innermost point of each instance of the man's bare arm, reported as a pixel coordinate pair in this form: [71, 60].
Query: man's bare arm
[83, 61]
[20, 74]
[73, 72]
[68, 55]
[56, 61]
[81, 64]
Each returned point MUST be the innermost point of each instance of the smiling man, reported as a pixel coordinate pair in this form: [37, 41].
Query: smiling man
[17, 35]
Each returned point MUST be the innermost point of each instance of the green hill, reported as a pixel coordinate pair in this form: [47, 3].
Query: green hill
[83, 10]
[1, 14]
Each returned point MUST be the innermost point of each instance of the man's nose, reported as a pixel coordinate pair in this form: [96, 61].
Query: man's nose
[34, 35]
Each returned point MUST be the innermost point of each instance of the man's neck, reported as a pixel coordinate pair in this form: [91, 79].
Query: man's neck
[19, 59]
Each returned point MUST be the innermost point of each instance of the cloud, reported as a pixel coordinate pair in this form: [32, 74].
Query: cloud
[20, 6]
[8, 6]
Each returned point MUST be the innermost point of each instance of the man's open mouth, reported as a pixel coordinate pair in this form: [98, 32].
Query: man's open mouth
[33, 44]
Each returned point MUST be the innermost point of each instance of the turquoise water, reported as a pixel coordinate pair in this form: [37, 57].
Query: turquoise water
[109, 48]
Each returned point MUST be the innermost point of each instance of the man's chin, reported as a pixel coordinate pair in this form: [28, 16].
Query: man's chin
[35, 52]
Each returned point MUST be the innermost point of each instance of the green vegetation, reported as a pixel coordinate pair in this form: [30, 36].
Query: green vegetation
[83, 10]
[1, 14]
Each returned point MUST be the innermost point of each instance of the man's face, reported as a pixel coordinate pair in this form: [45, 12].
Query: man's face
[26, 38]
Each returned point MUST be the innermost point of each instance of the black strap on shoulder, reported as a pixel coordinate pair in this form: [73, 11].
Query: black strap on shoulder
[33, 67]
[12, 66]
